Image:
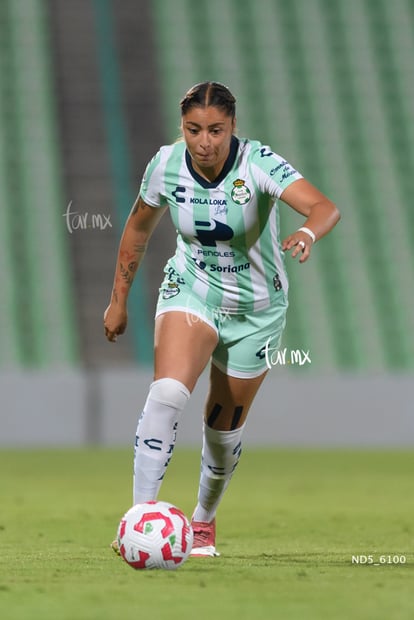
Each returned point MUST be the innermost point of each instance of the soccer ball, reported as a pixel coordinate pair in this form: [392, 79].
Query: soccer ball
[155, 535]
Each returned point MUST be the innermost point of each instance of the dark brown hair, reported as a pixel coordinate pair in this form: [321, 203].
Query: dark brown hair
[209, 94]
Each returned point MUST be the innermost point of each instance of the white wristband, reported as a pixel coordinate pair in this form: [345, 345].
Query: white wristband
[309, 232]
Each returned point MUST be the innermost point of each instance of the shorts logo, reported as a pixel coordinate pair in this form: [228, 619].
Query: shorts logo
[174, 279]
[276, 282]
[240, 194]
[171, 291]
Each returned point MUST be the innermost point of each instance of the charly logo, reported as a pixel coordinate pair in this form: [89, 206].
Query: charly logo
[179, 190]
[240, 194]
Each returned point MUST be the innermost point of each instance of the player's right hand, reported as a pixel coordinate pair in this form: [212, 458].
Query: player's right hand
[115, 321]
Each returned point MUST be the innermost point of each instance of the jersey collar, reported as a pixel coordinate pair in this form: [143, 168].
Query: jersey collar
[228, 164]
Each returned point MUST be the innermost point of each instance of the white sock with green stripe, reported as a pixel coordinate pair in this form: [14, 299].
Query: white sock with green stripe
[220, 455]
[156, 436]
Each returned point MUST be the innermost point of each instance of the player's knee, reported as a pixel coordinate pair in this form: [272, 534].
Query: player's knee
[170, 392]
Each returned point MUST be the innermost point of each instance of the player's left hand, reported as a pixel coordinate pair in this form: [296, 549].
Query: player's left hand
[301, 244]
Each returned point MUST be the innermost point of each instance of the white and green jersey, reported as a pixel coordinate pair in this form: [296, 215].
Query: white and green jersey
[228, 246]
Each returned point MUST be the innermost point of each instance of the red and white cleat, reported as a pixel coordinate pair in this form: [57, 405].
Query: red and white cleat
[204, 544]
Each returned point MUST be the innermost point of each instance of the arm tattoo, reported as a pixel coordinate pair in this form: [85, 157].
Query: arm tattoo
[132, 256]
[140, 248]
[140, 204]
[125, 274]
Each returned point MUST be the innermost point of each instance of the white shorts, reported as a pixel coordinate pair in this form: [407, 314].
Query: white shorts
[242, 338]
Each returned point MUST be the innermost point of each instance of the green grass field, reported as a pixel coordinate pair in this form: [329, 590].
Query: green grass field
[287, 530]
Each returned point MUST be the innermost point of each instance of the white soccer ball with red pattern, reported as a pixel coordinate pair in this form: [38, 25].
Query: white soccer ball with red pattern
[155, 535]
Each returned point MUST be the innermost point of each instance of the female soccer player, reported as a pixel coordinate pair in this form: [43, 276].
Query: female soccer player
[224, 294]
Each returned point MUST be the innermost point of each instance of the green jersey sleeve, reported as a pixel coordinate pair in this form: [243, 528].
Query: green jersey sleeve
[272, 173]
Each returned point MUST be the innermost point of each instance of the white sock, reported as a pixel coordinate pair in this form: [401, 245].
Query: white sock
[156, 436]
[220, 455]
